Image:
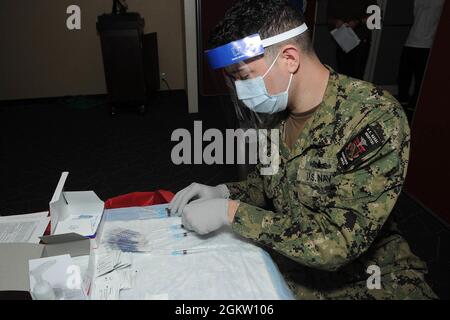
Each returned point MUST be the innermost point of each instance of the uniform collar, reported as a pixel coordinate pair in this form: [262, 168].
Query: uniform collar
[320, 129]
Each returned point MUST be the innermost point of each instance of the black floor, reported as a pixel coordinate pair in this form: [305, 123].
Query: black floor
[131, 152]
[110, 155]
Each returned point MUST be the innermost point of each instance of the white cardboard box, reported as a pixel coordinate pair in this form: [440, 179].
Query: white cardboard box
[78, 212]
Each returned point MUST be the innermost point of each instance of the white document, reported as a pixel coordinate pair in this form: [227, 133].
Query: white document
[346, 38]
[107, 261]
[109, 270]
[107, 287]
[23, 228]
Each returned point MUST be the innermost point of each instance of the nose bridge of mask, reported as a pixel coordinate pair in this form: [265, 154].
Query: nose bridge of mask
[250, 88]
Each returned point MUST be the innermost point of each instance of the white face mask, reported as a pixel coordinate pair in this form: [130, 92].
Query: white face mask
[253, 93]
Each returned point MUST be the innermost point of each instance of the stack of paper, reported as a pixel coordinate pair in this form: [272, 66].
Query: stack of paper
[23, 228]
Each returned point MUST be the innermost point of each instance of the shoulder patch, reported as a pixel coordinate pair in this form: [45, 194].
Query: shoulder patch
[367, 140]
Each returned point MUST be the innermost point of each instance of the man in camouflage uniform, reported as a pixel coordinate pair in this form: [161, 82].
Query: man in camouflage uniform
[325, 215]
[331, 216]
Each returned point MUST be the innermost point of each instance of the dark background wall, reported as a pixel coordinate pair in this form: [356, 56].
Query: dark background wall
[40, 57]
[428, 175]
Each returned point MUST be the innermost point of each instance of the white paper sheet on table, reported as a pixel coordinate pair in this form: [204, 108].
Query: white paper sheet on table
[23, 228]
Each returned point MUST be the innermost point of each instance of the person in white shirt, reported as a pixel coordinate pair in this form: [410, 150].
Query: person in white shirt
[417, 48]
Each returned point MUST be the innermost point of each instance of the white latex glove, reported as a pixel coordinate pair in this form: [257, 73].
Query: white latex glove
[205, 216]
[197, 191]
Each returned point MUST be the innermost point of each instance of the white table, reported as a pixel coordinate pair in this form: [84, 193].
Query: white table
[220, 265]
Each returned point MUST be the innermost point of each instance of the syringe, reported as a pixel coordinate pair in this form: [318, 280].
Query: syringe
[180, 252]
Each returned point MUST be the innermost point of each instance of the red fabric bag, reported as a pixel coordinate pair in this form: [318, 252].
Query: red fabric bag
[139, 199]
[135, 199]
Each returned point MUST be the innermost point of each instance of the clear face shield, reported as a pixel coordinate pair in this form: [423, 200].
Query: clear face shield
[255, 107]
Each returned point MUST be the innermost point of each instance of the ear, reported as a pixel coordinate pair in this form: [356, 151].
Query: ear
[291, 55]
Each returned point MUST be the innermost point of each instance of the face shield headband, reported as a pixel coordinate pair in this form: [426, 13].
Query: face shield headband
[246, 48]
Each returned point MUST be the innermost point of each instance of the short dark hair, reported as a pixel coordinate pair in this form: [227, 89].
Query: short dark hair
[266, 17]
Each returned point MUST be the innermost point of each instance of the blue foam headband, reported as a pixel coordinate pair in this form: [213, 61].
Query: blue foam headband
[235, 52]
